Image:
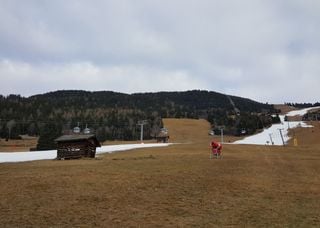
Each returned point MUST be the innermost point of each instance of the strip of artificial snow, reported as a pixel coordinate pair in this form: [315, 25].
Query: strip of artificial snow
[272, 135]
[115, 148]
[301, 112]
[27, 156]
[52, 154]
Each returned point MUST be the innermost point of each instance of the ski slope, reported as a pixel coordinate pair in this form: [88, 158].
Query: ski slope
[52, 154]
[272, 135]
[301, 112]
[269, 136]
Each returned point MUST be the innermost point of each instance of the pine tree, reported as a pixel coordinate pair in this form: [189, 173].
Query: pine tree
[48, 134]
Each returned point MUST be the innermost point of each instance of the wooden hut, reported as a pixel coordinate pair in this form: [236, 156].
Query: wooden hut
[163, 136]
[77, 146]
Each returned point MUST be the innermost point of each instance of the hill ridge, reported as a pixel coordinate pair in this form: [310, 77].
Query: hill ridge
[114, 115]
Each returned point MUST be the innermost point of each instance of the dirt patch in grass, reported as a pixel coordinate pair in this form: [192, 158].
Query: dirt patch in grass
[284, 108]
[190, 130]
[18, 145]
[309, 136]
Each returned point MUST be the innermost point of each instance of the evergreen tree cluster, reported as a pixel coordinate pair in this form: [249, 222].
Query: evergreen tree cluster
[303, 105]
[114, 115]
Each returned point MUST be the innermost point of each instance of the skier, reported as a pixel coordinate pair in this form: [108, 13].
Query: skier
[216, 148]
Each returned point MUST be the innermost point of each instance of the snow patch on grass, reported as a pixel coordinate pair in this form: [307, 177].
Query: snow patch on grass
[52, 154]
[272, 135]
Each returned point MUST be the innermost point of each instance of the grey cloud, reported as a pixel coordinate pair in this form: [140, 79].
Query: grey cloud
[265, 50]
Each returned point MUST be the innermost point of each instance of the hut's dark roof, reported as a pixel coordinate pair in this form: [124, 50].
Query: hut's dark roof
[77, 137]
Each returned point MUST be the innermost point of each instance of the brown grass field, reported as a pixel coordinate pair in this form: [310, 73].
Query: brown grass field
[18, 145]
[175, 186]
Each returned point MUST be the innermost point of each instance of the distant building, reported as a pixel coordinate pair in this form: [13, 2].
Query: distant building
[76, 146]
[163, 135]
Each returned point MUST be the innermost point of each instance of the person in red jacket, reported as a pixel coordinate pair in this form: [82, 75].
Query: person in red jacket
[216, 148]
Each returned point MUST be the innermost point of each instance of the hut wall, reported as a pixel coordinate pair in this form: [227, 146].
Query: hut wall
[71, 150]
[91, 149]
[163, 139]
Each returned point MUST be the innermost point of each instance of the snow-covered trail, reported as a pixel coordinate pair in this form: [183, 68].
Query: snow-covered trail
[301, 112]
[272, 134]
[52, 154]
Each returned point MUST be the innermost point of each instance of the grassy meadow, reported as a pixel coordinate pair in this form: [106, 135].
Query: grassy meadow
[175, 186]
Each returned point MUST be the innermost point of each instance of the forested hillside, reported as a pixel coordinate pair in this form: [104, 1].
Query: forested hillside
[114, 115]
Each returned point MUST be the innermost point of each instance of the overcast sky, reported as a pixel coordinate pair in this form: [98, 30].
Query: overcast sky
[266, 50]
